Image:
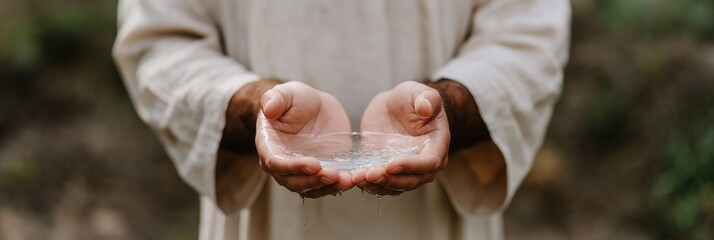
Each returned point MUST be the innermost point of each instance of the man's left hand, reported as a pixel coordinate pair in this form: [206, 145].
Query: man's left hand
[412, 109]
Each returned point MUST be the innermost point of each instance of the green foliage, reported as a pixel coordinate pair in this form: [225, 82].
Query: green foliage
[19, 42]
[657, 18]
[686, 188]
[35, 32]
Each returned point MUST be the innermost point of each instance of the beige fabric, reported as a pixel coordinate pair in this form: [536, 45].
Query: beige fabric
[182, 59]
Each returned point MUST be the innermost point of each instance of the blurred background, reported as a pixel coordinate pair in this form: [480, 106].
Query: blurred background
[629, 155]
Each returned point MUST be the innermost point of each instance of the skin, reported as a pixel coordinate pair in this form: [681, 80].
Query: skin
[281, 110]
[235, 162]
[411, 109]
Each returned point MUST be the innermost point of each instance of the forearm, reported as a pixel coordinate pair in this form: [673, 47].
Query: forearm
[512, 64]
[465, 123]
[236, 161]
[476, 174]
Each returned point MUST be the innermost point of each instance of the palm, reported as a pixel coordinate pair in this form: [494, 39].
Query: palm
[321, 114]
[303, 120]
[383, 115]
[410, 109]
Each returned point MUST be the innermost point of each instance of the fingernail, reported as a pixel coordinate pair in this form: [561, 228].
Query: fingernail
[308, 170]
[427, 104]
[267, 95]
[397, 170]
[356, 179]
[268, 100]
[380, 180]
[426, 100]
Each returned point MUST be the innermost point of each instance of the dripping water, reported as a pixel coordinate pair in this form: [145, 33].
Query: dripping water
[379, 203]
[304, 212]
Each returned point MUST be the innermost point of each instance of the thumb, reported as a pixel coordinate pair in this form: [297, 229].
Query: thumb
[427, 102]
[275, 102]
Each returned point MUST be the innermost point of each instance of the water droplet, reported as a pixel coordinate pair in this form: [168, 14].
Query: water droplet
[304, 212]
[379, 203]
[363, 195]
[340, 193]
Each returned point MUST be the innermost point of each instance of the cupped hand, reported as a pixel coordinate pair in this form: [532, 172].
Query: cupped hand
[295, 109]
[412, 109]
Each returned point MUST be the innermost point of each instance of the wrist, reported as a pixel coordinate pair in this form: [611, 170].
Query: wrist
[465, 122]
[241, 116]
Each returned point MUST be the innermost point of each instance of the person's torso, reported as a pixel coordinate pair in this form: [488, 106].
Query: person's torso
[351, 49]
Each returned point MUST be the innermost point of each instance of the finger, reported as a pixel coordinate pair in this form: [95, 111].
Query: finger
[432, 157]
[425, 163]
[276, 101]
[359, 177]
[284, 165]
[401, 182]
[427, 101]
[345, 182]
[375, 175]
[404, 182]
[303, 183]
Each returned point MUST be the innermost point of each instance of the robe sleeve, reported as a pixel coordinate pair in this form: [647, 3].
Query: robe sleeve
[170, 56]
[512, 63]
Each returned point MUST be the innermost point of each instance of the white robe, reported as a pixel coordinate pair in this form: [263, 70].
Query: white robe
[183, 59]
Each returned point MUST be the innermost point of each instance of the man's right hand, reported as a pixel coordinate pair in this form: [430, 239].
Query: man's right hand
[291, 109]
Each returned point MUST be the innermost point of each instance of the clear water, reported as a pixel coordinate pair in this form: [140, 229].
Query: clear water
[351, 151]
